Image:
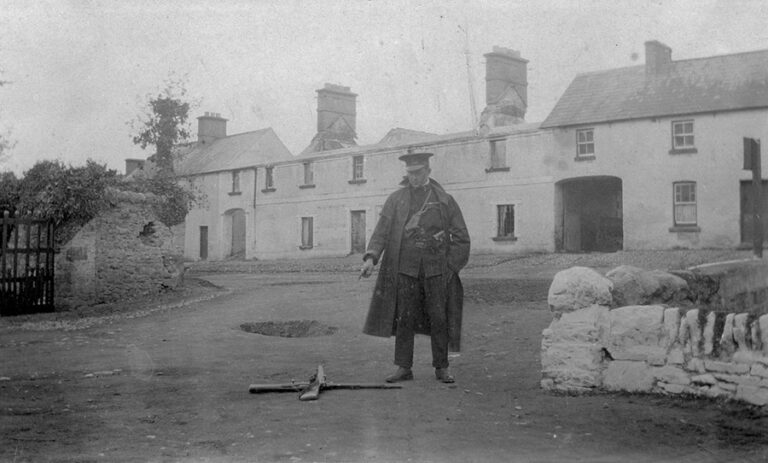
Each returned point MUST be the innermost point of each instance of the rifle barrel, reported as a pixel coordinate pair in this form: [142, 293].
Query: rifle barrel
[288, 387]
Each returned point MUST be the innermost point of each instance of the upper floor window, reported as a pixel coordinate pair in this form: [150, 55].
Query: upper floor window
[309, 176]
[585, 143]
[498, 156]
[357, 170]
[685, 203]
[269, 180]
[235, 181]
[682, 137]
[505, 223]
[307, 231]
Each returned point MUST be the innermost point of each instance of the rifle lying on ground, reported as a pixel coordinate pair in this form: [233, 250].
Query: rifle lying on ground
[310, 390]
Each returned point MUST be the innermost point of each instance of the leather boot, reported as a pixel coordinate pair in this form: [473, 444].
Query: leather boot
[444, 376]
[402, 374]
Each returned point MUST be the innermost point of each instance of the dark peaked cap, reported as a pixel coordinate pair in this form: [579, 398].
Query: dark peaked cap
[415, 161]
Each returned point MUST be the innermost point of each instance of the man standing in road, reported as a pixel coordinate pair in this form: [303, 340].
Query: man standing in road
[422, 243]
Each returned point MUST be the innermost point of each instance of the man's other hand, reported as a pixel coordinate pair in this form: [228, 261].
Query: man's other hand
[367, 269]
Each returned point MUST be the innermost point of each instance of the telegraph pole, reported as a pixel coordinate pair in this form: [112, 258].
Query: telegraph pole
[752, 162]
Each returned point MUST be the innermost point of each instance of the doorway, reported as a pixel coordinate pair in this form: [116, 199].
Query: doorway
[589, 215]
[203, 243]
[357, 228]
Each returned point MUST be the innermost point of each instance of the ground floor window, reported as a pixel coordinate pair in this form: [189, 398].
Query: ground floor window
[506, 221]
[307, 232]
[685, 203]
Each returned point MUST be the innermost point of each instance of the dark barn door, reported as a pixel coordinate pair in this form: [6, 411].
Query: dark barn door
[358, 232]
[747, 223]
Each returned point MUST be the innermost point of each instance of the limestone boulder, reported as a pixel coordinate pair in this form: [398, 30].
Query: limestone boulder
[636, 286]
[577, 288]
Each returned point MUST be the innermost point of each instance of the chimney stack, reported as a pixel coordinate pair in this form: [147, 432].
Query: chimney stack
[506, 89]
[210, 127]
[335, 102]
[505, 68]
[336, 112]
[657, 57]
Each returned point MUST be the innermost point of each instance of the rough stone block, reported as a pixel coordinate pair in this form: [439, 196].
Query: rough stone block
[737, 379]
[757, 343]
[740, 331]
[704, 379]
[762, 322]
[730, 387]
[714, 392]
[673, 388]
[671, 326]
[578, 287]
[672, 375]
[696, 364]
[752, 394]
[572, 363]
[709, 333]
[587, 325]
[639, 325]
[727, 343]
[726, 367]
[628, 376]
[759, 370]
[676, 356]
[639, 353]
[694, 332]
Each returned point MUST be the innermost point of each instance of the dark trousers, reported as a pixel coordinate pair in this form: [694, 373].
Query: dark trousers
[413, 294]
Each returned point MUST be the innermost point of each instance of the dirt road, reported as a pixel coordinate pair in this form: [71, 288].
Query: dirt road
[172, 385]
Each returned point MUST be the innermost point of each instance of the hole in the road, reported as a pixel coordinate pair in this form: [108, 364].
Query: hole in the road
[290, 329]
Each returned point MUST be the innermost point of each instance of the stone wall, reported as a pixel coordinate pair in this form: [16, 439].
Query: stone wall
[703, 331]
[123, 253]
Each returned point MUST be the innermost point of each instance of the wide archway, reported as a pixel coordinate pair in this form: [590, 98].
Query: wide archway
[588, 214]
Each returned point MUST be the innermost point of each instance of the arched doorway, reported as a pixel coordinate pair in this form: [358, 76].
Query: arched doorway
[588, 214]
[234, 232]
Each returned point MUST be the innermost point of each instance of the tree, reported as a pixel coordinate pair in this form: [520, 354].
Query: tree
[164, 125]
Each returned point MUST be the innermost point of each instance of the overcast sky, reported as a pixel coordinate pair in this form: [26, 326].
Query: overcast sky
[81, 70]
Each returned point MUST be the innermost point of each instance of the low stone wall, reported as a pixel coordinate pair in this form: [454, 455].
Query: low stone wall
[703, 331]
[123, 253]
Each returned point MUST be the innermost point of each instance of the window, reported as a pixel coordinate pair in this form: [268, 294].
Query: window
[269, 181]
[235, 182]
[585, 143]
[306, 232]
[308, 176]
[357, 169]
[505, 229]
[682, 136]
[685, 204]
[498, 156]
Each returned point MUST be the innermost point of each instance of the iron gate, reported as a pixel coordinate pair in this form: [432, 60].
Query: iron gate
[26, 265]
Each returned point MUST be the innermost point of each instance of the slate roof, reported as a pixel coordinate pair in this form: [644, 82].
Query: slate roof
[718, 83]
[399, 138]
[233, 152]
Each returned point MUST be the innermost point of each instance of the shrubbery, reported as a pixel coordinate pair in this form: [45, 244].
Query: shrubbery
[71, 196]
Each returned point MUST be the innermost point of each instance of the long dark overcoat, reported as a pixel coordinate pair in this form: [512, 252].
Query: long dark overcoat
[384, 246]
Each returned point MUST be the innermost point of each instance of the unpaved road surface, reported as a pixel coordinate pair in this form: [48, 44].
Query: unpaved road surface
[164, 382]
